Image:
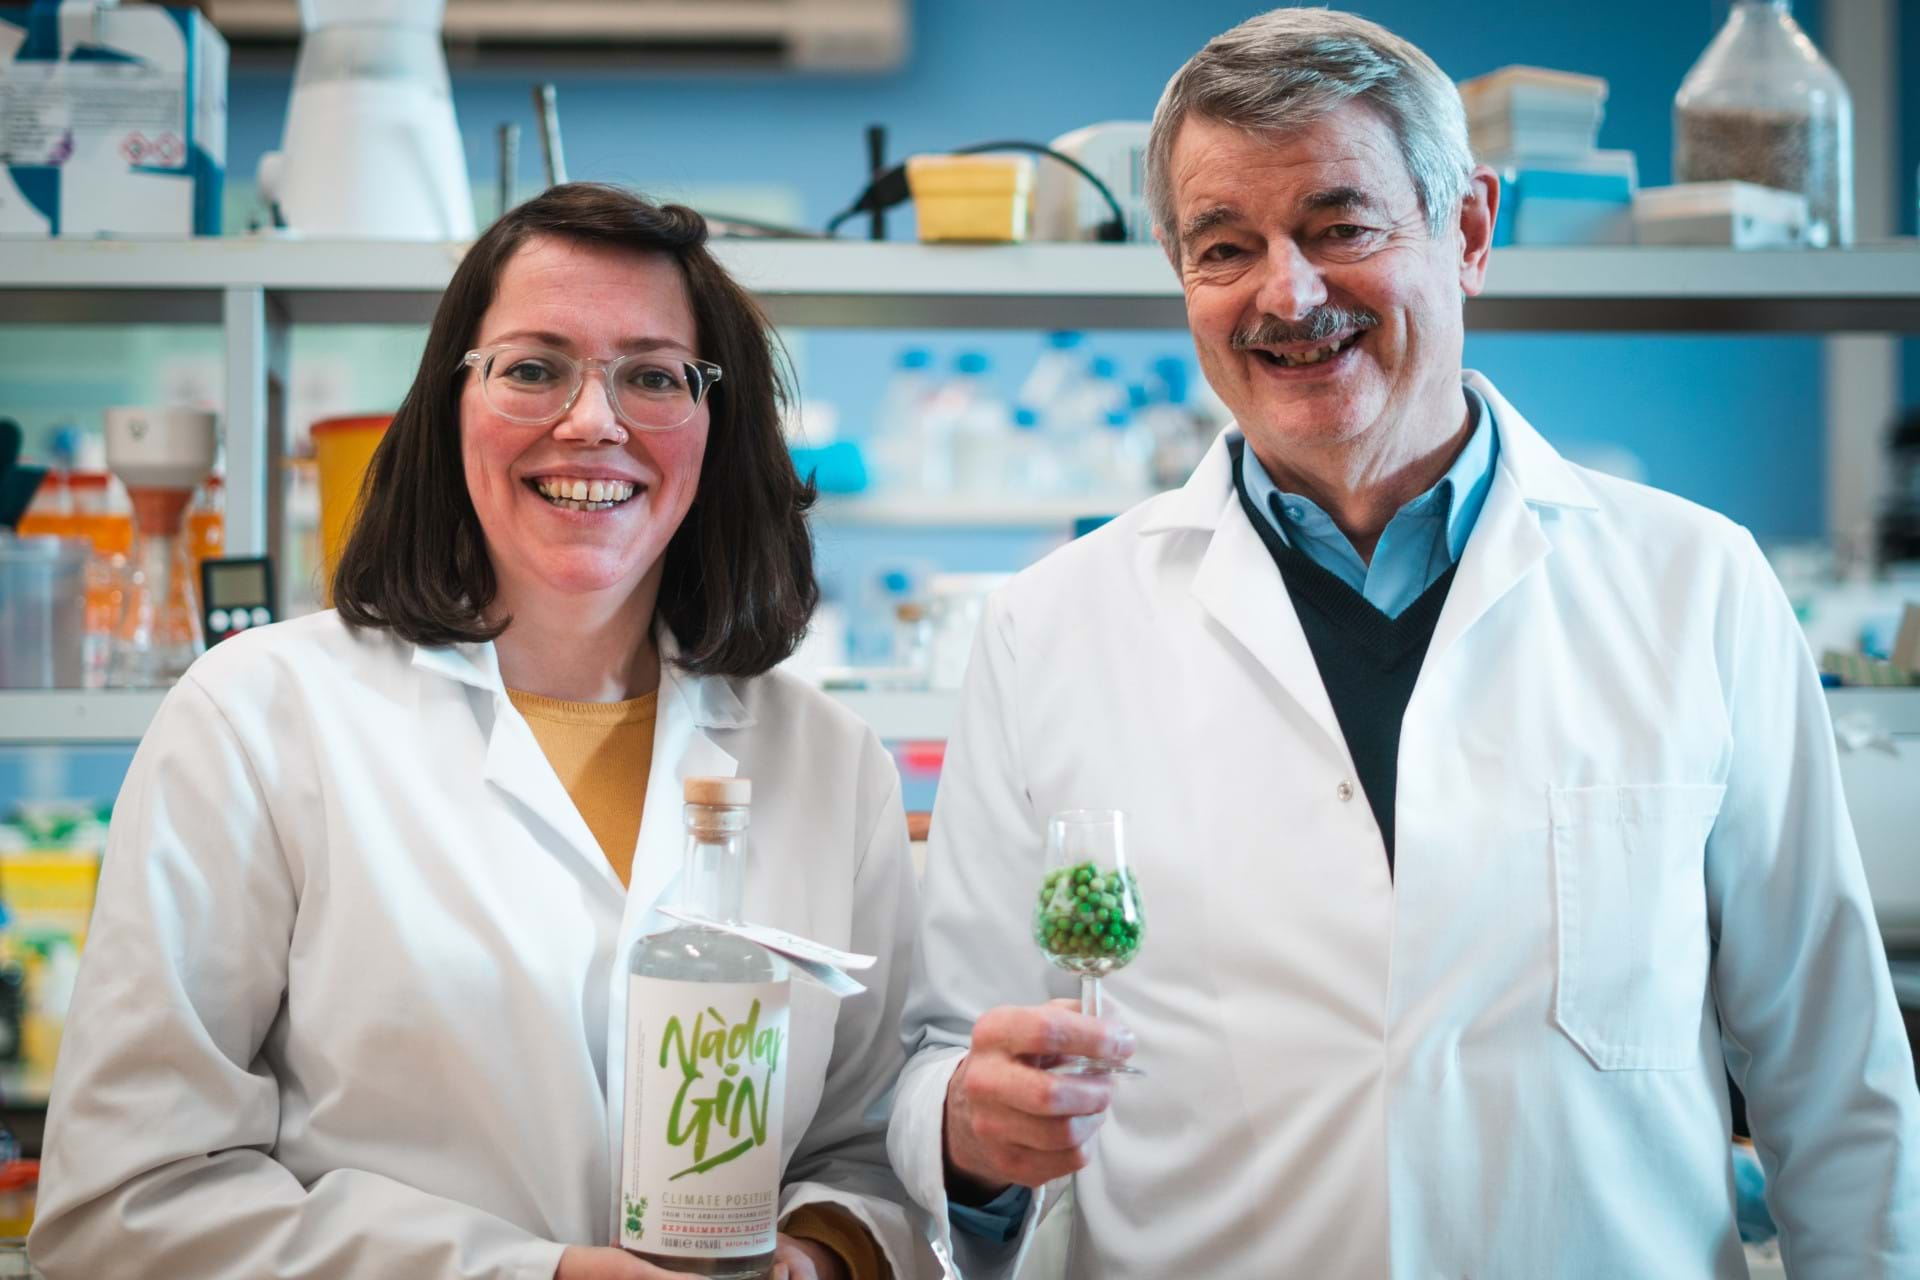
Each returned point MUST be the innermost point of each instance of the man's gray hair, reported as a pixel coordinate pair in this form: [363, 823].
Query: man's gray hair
[1285, 69]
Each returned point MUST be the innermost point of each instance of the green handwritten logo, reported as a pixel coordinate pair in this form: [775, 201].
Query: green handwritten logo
[725, 1072]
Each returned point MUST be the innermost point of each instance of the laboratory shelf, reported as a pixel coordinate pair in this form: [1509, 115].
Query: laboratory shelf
[70, 716]
[941, 512]
[75, 716]
[1871, 288]
[903, 716]
[256, 288]
[121, 715]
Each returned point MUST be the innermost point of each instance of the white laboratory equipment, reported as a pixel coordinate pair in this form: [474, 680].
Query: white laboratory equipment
[371, 147]
[1067, 207]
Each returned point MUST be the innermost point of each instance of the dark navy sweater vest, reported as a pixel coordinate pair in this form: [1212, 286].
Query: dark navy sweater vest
[1367, 660]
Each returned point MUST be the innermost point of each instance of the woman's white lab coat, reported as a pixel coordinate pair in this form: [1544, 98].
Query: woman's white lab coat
[353, 993]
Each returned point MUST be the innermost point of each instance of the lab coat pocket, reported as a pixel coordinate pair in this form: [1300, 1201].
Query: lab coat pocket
[1631, 921]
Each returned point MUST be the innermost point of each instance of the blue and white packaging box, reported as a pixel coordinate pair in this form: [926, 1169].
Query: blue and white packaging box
[1557, 207]
[113, 121]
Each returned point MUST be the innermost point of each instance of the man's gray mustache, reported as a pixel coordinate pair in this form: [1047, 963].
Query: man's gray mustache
[1319, 325]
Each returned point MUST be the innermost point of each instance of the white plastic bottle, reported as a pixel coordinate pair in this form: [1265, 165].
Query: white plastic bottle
[968, 421]
[898, 439]
[1054, 376]
[706, 1067]
[1127, 454]
[1081, 430]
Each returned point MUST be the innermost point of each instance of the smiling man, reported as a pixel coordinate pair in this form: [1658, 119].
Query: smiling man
[1484, 809]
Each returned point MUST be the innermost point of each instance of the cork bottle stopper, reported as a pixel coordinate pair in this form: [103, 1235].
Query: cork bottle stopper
[719, 791]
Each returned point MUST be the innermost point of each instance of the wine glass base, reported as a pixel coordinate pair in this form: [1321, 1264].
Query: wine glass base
[1094, 1067]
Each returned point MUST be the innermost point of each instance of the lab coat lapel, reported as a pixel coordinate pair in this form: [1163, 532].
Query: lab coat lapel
[1508, 539]
[1239, 586]
[691, 709]
[515, 764]
[1506, 542]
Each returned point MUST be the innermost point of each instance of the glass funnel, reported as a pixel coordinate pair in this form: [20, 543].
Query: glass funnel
[158, 635]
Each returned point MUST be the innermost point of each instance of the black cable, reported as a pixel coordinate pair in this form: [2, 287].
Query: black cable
[890, 188]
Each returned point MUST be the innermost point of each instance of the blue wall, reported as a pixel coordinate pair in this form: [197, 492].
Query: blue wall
[1908, 78]
[1732, 423]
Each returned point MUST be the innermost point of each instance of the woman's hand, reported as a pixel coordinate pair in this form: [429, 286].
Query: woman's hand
[582, 1263]
[793, 1259]
[797, 1259]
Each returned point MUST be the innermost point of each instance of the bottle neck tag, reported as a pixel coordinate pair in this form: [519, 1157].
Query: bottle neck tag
[824, 964]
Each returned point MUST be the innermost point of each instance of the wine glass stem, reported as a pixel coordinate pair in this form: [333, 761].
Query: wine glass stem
[1090, 995]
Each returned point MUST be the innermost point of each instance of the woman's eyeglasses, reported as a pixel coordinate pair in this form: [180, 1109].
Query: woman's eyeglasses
[538, 385]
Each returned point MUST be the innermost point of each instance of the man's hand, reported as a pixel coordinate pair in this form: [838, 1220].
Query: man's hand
[1007, 1119]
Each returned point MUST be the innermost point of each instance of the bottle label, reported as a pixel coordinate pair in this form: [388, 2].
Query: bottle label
[706, 1086]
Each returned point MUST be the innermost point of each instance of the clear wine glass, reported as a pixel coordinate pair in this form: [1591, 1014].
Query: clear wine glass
[1089, 920]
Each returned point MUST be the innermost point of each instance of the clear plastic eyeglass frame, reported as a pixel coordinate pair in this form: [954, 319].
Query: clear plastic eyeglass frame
[700, 378]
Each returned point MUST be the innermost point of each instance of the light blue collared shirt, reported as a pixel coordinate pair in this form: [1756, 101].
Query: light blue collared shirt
[1420, 543]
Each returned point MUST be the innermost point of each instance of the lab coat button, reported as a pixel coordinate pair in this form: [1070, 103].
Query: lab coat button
[1344, 791]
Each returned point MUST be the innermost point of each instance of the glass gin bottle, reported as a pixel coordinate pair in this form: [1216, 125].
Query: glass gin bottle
[705, 1067]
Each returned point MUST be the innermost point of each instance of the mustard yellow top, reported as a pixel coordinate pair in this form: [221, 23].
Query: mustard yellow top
[602, 752]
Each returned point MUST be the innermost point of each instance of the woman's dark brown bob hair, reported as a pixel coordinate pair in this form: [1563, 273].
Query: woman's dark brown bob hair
[737, 587]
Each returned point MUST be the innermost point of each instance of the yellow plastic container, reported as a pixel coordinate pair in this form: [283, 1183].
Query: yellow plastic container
[977, 199]
[342, 447]
[49, 892]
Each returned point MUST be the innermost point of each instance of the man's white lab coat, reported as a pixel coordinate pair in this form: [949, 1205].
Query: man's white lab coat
[1624, 867]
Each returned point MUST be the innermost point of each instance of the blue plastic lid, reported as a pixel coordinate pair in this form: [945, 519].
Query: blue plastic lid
[1026, 418]
[1172, 372]
[1101, 366]
[915, 358]
[1064, 339]
[972, 362]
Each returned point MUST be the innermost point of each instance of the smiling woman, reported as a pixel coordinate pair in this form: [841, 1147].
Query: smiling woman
[459, 531]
